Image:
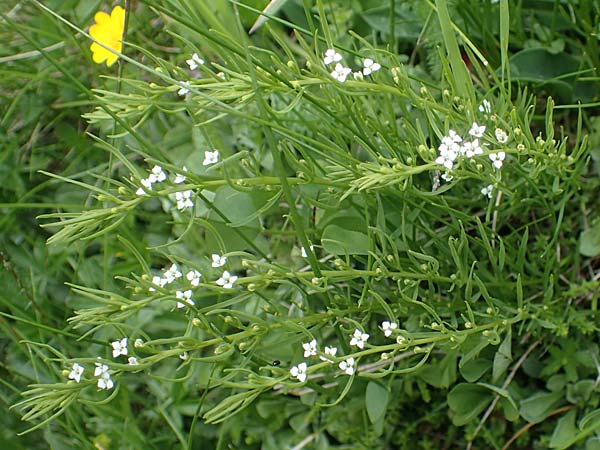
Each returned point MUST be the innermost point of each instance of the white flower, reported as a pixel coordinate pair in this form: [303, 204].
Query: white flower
[358, 339]
[310, 348]
[485, 107]
[210, 158]
[157, 174]
[194, 61]
[299, 372]
[104, 381]
[330, 351]
[501, 136]
[303, 251]
[132, 360]
[119, 347]
[227, 280]
[193, 277]
[477, 130]
[218, 260]
[497, 159]
[185, 89]
[388, 327]
[140, 191]
[186, 296]
[331, 56]
[471, 149]
[347, 366]
[487, 190]
[370, 66]
[447, 177]
[76, 372]
[184, 200]
[180, 178]
[184, 356]
[340, 72]
[171, 274]
[453, 137]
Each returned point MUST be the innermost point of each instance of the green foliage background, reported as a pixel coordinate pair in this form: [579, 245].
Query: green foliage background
[496, 301]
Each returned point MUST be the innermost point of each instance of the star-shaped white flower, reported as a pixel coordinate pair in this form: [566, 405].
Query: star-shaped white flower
[184, 90]
[370, 66]
[347, 366]
[310, 348]
[194, 61]
[186, 297]
[227, 280]
[76, 372]
[471, 149]
[477, 130]
[497, 159]
[210, 158]
[218, 260]
[331, 56]
[104, 381]
[340, 72]
[388, 327]
[119, 347]
[172, 273]
[487, 190]
[180, 178]
[184, 200]
[330, 351]
[299, 372]
[359, 339]
[193, 276]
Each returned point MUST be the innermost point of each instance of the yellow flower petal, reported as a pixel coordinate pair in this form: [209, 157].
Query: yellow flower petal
[107, 30]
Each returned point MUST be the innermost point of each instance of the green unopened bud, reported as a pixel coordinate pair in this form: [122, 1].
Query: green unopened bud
[520, 148]
[243, 346]
[390, 258]
[138, 343]
[385, 356]
[121, 190]
[196, 322]
[468, 325]
[435, 326]
[251, 287]
[138, 290]
[423, 91]
[222, 348]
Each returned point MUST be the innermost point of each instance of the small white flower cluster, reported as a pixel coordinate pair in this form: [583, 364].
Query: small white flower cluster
[194, 62]
[226, 280]
[156, 176]
[453, 146]
[341, 72]
[487, 191]
[169, 275]
[102, 371]
[347, 366]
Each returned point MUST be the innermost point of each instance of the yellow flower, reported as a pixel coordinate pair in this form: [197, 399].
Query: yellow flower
[109, 31]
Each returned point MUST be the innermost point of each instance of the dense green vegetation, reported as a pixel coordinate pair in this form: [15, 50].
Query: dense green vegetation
[367, 224]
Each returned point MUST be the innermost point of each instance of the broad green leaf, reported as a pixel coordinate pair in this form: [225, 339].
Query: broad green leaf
[592, 444]
[564, 432]
[376, 400]
[537, 407]
[473, 370]
[580, 391]
[589, 241]
[240, 208]
[339, 241]
[467, 401]
[441, 374]
[503, 357]
[589, 420]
